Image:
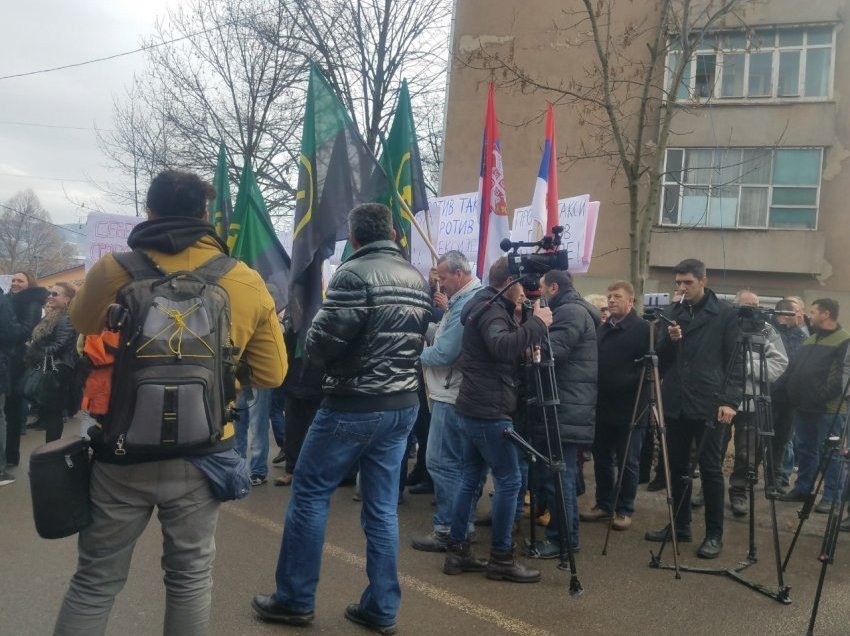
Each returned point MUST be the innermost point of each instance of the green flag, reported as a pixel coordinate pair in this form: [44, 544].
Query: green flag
[220, 209]
[336, 172]
[252, 238]
[403, 162]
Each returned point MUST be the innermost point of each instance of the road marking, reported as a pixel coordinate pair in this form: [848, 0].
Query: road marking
[482, 612]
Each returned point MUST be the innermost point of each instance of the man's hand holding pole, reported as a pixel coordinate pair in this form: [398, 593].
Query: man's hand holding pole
[544, 313]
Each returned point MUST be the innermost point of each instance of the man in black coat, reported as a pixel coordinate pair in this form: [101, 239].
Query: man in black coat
[694, 354]
[491, 350]
[622, 342]
[573, 340]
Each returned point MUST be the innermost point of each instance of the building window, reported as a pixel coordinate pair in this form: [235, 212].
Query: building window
[781, 63]
[745, 188]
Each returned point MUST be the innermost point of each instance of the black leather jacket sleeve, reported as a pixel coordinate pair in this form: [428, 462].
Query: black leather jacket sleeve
[11, 331]
[340, 320]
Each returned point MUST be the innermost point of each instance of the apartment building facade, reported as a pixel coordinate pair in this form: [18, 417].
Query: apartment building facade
[756, 169]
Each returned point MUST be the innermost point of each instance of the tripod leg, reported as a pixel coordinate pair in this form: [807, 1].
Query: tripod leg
[658, 418]
[830, 540]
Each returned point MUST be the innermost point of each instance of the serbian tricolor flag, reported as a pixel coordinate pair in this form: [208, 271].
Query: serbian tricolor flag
[494, 207]
[544, 203]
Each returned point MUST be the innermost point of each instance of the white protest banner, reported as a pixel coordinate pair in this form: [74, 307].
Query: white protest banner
[582, 264]
[453, 223]
[107, 233]
[6, 282]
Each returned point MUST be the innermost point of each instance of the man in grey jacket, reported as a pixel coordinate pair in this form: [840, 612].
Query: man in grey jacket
[443, 380]
[746, 447]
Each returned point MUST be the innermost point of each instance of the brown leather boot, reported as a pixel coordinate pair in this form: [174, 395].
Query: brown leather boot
[503, 567]
[459, 558]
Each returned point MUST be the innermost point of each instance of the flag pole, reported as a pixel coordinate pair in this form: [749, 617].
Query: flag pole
[415, 224]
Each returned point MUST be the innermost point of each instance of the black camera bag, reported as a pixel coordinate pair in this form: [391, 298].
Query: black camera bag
[59, 483]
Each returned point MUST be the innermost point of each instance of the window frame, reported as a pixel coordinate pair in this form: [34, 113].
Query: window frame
[718, 49]
[685, 182]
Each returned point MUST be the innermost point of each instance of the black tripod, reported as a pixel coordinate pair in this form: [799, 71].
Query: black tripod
[750, 350]
[546, 397]
[649, 384]
[834, 448]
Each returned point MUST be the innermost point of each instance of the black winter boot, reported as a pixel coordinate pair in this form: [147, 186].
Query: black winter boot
[459, 558]
[503, 567]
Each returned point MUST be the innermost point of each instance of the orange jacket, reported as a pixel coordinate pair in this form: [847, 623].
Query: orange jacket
[100, 350]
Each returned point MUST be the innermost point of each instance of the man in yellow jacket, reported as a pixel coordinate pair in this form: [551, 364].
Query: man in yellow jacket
[177, 237]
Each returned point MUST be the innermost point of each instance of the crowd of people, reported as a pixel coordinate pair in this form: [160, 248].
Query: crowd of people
[394, 367]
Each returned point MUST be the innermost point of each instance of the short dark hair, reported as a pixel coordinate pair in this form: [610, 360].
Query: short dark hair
[499, 272]
[691, 266]
[828, 304]
[178, 193]
[564, 279]
[371, 222]
[786, 304]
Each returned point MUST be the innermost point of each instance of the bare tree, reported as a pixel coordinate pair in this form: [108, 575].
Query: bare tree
[28, 240]
[366, 47]
[211, 79]
[628, 98]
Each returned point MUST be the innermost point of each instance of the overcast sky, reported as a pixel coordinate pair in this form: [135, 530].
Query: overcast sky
[58, 164]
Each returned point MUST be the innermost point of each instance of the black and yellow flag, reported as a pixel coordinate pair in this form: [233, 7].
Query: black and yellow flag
[336, 172]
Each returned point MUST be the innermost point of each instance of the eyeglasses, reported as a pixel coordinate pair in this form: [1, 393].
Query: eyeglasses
[55, 294]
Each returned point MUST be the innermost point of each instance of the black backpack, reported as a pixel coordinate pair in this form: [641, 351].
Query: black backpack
[174, 372]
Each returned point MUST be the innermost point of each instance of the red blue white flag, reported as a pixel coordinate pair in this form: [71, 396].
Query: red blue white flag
[544, 203]
[494, 206]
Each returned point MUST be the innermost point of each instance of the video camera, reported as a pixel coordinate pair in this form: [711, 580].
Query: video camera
[752, 319]
[531, 267]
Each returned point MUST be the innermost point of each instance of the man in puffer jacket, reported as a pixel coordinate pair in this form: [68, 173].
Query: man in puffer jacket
[573, 340]
[366, 339]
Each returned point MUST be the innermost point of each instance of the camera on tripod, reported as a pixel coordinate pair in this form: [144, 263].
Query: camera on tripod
[753, 319]
[531, 267]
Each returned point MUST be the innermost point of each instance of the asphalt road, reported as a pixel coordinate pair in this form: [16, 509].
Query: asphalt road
[621, 593]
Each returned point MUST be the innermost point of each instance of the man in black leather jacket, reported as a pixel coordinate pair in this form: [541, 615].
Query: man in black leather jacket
[694, 354]
[366, 339]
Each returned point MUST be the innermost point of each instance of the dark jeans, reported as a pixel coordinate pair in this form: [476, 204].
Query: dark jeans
[609, 451]
[811, 429]
[484, 445]
[337, 442]
[783, 429]
[299, 414]
[569, 480]
[276, 416]
[746, 451]
[15, 422]
[681, 433]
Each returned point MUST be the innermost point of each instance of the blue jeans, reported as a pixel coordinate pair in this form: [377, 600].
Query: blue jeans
[568, 480]
[609, 449]
[276, 416]
[810, 430]
[443, 458]
[485, 445]
[257, 410]
[336, 442]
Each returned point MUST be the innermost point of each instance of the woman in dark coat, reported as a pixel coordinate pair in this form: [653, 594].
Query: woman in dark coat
[53, 347]
[27, 300]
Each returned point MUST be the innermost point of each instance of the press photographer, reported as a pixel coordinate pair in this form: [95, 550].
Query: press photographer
[492, 347]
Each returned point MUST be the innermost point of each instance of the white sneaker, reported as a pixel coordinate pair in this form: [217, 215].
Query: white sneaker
[6, 479]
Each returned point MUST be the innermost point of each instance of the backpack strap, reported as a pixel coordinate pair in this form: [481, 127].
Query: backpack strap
[138, 264]
[215, 268]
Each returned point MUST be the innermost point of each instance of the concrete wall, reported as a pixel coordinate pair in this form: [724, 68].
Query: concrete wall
[808, 263]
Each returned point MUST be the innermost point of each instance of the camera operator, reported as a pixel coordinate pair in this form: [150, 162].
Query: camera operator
[492, 347]
[573, 339]
[746, 437]
[695, 353]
